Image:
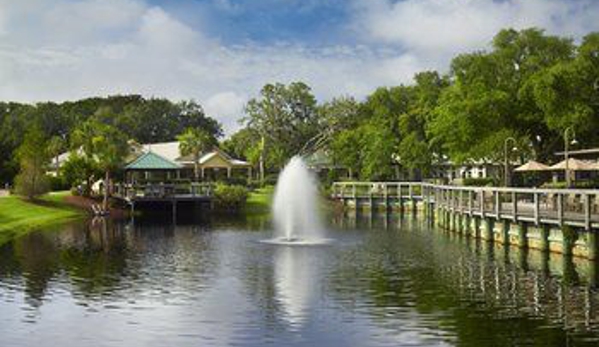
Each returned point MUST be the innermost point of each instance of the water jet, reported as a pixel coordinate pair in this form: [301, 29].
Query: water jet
[295, 207]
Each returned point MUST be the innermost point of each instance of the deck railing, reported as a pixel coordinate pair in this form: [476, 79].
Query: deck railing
[579, 207]
[131, 191]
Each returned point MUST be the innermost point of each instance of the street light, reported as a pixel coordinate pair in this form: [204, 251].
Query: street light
[569, 131]
[506, 175]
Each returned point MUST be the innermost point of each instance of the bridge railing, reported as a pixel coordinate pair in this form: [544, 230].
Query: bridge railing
[560, 206]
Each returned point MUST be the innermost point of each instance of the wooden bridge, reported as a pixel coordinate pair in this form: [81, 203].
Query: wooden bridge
[523, 216]
[575, 207]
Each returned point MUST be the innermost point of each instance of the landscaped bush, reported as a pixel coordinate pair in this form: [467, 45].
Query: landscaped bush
[554, 185]
[479, 182]
[230, 197]
[586, 184]
[236, 181]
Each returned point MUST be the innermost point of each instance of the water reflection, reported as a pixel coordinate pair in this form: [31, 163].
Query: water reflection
[296, 277]
[385, 281]
[549, 297]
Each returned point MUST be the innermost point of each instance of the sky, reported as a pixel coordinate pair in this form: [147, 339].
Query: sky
[221, 52]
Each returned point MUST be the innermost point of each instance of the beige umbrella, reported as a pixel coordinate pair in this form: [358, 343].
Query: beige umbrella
[532, 166]
[574, 165]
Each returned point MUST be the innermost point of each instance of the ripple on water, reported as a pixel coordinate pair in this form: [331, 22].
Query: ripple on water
[183, 286]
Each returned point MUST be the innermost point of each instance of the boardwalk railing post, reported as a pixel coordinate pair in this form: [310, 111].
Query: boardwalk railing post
[560, 209]
[386, 197]
[536, 208]
[482, 203]
[587, 211]
[514, 206]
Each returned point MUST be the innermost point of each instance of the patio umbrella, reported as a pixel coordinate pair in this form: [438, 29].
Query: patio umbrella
[575, 165]
[532, 166]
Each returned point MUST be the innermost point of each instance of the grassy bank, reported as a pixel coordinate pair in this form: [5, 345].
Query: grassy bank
[260, 200]
[18, 216]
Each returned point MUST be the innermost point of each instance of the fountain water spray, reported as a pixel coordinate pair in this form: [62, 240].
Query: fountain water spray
[295, 206]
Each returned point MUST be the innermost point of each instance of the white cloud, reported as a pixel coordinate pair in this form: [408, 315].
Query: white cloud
[68, 49]
[438, 29]
[226, 106]
[144, 49]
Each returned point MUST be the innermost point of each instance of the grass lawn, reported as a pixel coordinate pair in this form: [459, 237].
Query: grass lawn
[17, 216]
[260, 200]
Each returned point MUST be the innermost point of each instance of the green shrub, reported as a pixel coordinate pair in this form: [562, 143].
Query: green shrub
[271, 179]
[58, 183]
[479, 182]
[586, 184]
[554, 185]
[30, 185]
[230, 197]
[236, 181]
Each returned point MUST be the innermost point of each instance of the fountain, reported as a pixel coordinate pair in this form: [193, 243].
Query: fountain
[295, 206]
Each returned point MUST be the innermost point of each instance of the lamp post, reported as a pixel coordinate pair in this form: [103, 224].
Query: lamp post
[506, 174]
[261, 162]
[569, 131]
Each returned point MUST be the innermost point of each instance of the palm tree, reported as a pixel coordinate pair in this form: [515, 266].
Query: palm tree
[106, 146]
[194, 142]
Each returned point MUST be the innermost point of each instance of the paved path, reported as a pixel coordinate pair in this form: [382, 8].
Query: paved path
[3, 192]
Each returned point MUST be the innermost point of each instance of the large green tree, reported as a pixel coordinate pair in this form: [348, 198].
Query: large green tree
[33, 158]
[487, 100]
[416, 151]
[285, 117]
[568, 96]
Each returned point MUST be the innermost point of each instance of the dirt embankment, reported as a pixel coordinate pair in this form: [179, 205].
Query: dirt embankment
[86, 203]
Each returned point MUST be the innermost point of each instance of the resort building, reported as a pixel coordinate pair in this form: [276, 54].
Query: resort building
[162, 162]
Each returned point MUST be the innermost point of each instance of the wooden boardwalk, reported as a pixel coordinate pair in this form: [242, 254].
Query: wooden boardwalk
[559, 207]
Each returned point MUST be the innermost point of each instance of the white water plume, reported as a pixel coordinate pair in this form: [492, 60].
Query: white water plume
[295, 206]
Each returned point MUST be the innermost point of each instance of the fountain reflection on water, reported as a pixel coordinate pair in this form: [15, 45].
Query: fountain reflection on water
[295, 207]
[297, 275]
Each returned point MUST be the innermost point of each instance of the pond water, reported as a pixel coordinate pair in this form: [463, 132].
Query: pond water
[382, 282]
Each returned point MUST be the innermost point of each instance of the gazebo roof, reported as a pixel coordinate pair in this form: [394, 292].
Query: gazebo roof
[533, 166]
[575, 165]
[152, 161]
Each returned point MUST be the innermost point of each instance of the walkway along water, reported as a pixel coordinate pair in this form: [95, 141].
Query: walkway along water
[557, 220]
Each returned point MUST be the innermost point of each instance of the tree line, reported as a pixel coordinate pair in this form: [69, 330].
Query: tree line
[529, 85]
[61, 126]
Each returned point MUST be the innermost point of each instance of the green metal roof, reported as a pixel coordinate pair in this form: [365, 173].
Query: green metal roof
[151, 161]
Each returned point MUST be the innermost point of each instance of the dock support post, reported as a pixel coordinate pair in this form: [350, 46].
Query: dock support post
[522, 235]
[489, 225]
[174, 205]
[401, 207]
[467, 225]
[441, 217]
[544, 231]
[569, 236]
[591, 245]
[477, 222]
[505, 232]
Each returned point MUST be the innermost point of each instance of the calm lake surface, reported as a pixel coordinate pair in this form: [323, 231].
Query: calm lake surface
[382, 282]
